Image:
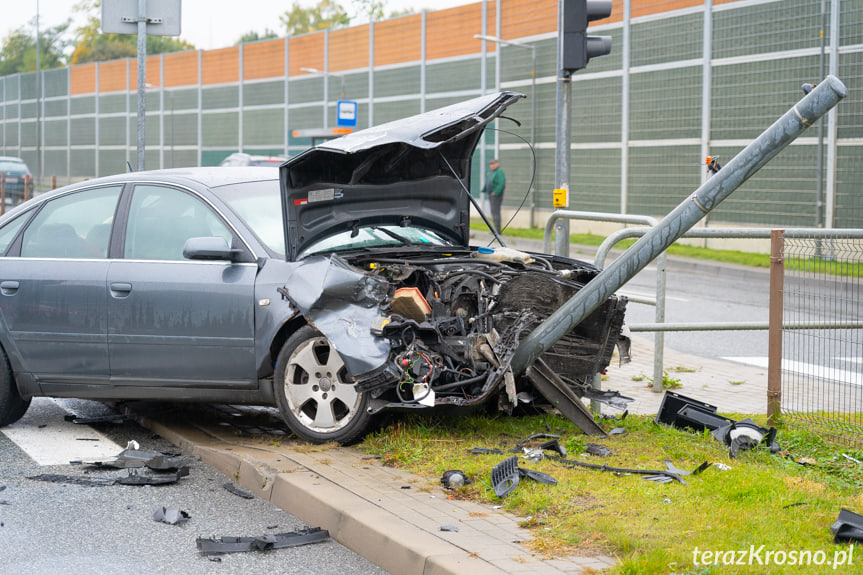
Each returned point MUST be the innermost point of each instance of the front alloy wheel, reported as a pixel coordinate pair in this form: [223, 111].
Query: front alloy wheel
[314, 391]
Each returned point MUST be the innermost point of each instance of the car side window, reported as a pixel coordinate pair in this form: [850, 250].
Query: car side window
[10, 230]
[161, 219]
[76, 225]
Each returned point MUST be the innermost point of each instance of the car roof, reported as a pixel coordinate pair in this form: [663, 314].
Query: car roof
[211, 177]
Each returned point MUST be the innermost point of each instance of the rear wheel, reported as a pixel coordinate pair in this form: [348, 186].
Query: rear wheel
[12, 406]
[314, 391]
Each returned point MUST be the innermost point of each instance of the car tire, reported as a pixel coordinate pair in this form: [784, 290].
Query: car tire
[12, 406]
[314, 392]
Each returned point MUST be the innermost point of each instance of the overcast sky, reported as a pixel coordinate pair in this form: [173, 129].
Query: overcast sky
[206, 24]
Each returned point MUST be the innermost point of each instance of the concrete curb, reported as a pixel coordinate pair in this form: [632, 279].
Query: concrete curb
[367, 508]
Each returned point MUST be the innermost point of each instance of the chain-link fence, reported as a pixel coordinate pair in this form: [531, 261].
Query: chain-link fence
[822, 365]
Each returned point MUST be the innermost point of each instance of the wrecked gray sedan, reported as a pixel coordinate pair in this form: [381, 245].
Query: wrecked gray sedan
[342, 289]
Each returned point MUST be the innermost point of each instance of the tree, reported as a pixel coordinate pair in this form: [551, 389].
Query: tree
[18, 52]
[253, 36]
[93, 46]
[326, 14]
[371, 10]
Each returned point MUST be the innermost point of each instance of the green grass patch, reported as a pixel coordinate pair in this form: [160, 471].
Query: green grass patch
[762, 499]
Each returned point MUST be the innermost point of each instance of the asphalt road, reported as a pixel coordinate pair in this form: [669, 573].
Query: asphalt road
[57, 528]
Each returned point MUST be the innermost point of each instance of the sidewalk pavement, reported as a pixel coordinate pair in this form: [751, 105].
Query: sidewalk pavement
[394, 518]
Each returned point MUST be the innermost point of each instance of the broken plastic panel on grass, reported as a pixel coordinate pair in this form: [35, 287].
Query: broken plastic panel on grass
[686, 413]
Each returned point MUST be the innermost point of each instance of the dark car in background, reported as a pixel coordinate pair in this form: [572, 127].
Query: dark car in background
[16, 173]
[338, 286]
[240, 159]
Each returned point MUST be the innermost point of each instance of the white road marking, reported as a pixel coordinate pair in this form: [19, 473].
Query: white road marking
[59, 441]
[809, 369]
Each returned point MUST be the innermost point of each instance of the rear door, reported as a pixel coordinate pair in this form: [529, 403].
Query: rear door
[174, 321]
[52, 288]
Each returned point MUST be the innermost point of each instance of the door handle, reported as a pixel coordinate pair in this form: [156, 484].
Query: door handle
[120, 289]
[9, 287]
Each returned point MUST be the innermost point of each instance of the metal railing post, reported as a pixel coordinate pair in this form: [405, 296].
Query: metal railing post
[774, 345]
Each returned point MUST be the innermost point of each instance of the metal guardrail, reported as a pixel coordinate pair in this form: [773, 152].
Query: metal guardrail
[661, 326]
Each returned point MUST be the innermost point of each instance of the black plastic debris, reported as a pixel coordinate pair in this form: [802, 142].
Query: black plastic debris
[538, 476]
[596, 449]
[73, 480]
[684, 412]
[655, 474]
[137, 458]
[264, 542]
[620, 417]
[554, 445]
[485, 451]
[504, 476]
[238, 491]
[610, 398]
[847, 527]
[170, 516]
[454, 479]
[135, 478]
[687, 413]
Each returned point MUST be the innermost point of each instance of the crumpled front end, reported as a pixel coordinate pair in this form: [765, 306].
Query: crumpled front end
[422, 330]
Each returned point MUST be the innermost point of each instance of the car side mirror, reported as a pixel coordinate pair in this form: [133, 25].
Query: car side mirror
[207, 248]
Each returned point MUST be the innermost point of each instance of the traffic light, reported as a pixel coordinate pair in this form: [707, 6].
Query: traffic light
[578, 48]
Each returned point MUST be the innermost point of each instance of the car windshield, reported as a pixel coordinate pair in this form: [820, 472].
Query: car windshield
[376, 237]
[258, 204]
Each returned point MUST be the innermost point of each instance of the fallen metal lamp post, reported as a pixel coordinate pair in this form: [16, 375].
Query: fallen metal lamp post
[802, 115]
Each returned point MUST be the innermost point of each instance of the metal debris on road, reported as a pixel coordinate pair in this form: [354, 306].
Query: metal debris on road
[170, 516]
[238, 491]
[264, 542]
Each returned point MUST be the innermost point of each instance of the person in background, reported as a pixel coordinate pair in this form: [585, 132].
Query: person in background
[495, 185]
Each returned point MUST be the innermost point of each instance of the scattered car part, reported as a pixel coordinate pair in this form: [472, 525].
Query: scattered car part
[170, 516]
[610, 398]
[539, 476]
[136, 458]
[684, 412]
[649, 472]
[454, 479]
[448, 528]
[618, 431]
[264, 542]
[596, 449]
[746, 434]
[553, 388]
[620, 417]
[678, 410]
[484, 451]
[847, 527]
[134, 478]
[530, 438]
[554, 445]
[238, 491]
[504, 476]
[74, 480]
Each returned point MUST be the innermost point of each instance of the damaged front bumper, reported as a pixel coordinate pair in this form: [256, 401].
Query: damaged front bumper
[422, 329]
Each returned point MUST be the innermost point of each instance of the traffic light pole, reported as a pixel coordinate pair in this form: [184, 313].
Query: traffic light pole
[563, 137]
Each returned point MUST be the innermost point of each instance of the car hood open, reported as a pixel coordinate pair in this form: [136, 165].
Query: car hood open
[414, 170]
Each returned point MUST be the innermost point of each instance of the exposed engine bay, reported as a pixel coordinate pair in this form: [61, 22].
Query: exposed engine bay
[444, 325]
